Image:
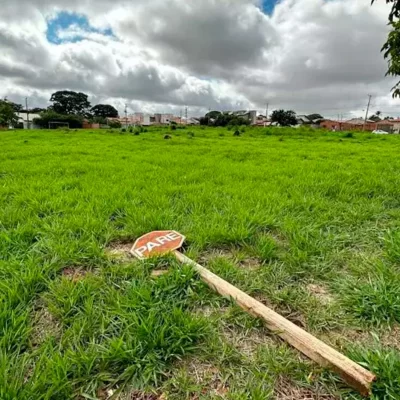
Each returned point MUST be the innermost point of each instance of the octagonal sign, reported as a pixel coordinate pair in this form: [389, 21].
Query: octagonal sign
[157, 243]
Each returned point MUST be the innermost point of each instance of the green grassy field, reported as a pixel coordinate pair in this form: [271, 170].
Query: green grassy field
[306, 222]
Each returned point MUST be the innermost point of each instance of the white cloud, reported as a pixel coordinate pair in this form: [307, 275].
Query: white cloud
[310, 55]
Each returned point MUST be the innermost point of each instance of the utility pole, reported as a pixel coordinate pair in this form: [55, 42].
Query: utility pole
[366, 114]
[186, 115]
[180, 117]
[126, 116]
[27, 113]
[266, 111]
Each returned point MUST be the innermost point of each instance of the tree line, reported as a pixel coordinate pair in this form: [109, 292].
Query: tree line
[66, 107]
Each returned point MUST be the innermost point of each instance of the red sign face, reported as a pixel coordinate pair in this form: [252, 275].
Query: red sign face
[157, 243]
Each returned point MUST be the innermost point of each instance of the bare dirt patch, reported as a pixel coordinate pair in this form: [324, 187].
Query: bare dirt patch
[208, 311]
[44, 325]
[320, 292]
[293, 316]
[248, 342]
[388, 338]
[75, 274]
[391, 338]
[120, 252]
[234, 255]
[287, 390]
[205, 375]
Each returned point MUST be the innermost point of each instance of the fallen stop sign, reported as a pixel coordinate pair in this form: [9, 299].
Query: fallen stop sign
[157, 243]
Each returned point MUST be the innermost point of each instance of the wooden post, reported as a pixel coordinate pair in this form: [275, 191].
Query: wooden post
[356, 376]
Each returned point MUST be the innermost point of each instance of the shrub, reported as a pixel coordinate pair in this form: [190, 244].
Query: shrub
[123, 130]
[114, 124]
[173, 127]
[349, 135]
[237, 133]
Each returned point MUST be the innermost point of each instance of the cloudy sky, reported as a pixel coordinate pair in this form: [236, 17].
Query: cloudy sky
[162, 55]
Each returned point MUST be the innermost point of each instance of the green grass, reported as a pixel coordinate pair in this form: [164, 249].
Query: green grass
[307, 222]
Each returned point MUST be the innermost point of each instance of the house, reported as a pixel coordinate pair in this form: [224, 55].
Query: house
[303, 120]
[89, 125]
[130, 120]
[26, 119]
[146, 121]
[262, 120]
[194, 121]
[395, 124]
[385, 125]
[355, 124]
[157, 119]
[359, 124]
[166, 118]
[251, 115]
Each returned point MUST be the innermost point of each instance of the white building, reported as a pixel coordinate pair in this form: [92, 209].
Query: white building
[146, 120]
[23, 118]
[166, 118]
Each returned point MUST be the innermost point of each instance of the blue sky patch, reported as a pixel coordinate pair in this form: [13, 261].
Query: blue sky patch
[268, 6]
[65, 20]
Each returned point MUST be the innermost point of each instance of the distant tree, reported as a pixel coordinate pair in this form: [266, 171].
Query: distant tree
[210, 118]
[375, 118]
[204, 121]
[284, 118]
[16, 107]
[37, 110]
[312, 117]
[391, 49]
[216, 118]
[70, 103]
[8, 116]
[213, 114]
[104, 111]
